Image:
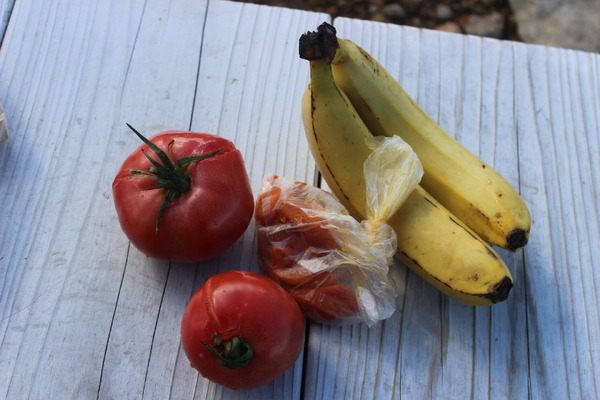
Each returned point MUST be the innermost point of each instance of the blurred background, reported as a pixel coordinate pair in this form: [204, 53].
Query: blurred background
[573, 24]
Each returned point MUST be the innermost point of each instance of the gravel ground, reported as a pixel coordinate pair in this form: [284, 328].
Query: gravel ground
[487, 18]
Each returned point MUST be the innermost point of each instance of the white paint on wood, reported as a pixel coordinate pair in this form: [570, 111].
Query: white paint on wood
[85, 315]
[506, 93]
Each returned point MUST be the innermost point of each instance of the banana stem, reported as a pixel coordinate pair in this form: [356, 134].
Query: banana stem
[319, 45]
[321, 74]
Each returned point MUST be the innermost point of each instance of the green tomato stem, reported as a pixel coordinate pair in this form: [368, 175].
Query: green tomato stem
[170, 176]
[235, 353]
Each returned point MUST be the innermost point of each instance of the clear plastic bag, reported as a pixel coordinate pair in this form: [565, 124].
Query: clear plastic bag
[336, 267]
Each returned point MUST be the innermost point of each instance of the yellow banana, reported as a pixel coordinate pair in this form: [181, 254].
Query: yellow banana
[431, 240]
[474, 192]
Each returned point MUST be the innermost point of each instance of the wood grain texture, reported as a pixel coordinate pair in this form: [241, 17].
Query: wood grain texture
[559, 179]
[83, 314]
[62, 260]
[6, 7]
[248, 89]
[508, 103]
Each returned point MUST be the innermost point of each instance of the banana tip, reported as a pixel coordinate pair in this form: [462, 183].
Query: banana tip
[517, 239]
[501, 291]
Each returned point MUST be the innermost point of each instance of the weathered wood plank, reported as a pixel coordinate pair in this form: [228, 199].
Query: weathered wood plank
[83, 314]
[61, 261]
[491, 95]
[562, 299]
[6, 7]
[157, 94]
[249, 90]
[74, 293]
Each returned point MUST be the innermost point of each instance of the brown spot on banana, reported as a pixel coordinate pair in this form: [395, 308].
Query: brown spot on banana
[492, 253]
[462, 227]
[415, 264]
[431, 202]
[489, 250]
[496, 293]
[372, 63]
[312, 114]
[338, 184]
[412, 260]
[484, 215]
[321, 155]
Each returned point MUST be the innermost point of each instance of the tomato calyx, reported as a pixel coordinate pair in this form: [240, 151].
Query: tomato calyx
[232, 354]
[170, 175]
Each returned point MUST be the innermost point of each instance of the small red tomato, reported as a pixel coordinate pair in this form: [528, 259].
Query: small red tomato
[241, 330]
[183, 196]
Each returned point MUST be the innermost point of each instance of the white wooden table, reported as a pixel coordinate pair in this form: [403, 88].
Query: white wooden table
[84, 315]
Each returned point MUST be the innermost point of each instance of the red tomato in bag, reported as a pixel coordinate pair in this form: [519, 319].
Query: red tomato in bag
[191, 202]
[242, 330]
[288, 232]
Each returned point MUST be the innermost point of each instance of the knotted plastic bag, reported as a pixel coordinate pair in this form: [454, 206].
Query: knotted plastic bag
[334, 266]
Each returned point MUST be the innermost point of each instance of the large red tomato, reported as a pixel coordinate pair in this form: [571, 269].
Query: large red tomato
[241, 330]
[183, 196]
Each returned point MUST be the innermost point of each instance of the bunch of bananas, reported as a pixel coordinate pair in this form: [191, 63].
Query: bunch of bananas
[461, 204]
